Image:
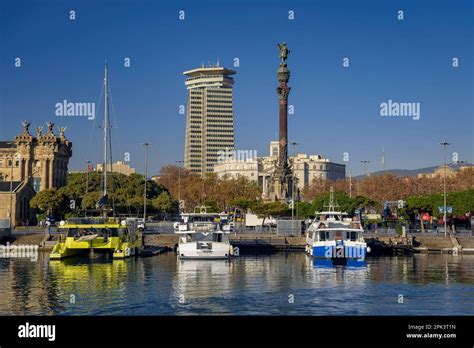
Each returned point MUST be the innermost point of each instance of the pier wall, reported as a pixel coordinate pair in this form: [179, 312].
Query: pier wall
[272, 241]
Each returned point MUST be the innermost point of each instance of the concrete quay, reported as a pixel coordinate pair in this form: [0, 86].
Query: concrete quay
[268, 242]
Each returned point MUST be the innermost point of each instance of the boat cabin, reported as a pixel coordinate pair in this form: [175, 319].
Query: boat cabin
[83, 229]
[216, 237]
[324, 235]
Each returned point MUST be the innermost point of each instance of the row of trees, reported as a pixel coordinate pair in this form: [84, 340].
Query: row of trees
[83, 191]
[369, 192]
[461, 203]
[209, 190]
[389, 187]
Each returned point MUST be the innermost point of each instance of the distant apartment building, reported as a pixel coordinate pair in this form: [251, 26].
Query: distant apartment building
[306, 169]
[209, 117]
[117, 167]
[440, 172]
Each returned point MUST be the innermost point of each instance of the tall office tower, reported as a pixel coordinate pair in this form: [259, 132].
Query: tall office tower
[209, 118]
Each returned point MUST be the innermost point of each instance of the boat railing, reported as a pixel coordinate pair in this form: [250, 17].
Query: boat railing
[200, 226]
[87, 220]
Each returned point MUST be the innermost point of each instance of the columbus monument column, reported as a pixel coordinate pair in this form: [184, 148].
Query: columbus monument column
[282, 175]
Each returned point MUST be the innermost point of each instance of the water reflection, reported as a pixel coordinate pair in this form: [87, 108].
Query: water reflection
[199, 281]
[327, 263]
[252, 284]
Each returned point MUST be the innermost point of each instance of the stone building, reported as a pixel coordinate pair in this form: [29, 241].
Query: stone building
[14, 201]
[39, 161]
[440, 172]
[42, 159]
[117, 167]
[305, 168]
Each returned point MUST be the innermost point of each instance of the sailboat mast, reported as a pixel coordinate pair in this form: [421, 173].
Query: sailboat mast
[106, 125]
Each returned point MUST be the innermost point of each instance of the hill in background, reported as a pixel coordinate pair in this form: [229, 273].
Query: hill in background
[413, 172]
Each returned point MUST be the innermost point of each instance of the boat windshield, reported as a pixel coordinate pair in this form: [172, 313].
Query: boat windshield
[212, 237]
[331, 217]
[198, 218]
[339, 235]
[92, 231]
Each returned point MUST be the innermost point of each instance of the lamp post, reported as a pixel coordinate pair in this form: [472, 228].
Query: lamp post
[179, 184]
[87, 175]
[145, 145]
[350, 184]
[445, 144]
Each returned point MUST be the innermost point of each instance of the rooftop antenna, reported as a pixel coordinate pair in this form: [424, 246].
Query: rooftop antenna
[218, 62]
[332, 203]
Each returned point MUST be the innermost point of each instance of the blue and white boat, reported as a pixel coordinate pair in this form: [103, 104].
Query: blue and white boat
[334, 236]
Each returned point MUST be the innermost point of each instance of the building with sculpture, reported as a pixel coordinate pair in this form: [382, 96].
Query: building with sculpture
[29, 164]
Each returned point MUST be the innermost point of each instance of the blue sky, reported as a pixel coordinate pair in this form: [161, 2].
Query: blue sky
[336, 108]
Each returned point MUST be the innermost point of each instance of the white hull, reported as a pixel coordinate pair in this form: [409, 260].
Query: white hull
[331, 249]
[192, 251]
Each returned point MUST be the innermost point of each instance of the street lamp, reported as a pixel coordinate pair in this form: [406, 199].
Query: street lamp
[350, 184]
[145, 145]
[445, 144]
[179, 182]
[365, 167]
[87, 175]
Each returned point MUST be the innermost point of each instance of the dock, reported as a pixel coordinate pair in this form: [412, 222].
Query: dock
[267, 242]
[152, 250]
[157, 243]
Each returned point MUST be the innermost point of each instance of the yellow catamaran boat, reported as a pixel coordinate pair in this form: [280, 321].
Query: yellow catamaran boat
[97, 234]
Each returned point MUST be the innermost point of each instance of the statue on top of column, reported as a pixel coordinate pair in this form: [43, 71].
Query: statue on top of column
[284, 52]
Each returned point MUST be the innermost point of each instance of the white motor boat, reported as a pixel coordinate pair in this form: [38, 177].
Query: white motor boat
[203, 235]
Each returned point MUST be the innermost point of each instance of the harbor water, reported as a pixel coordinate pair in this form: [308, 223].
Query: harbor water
[284, 283]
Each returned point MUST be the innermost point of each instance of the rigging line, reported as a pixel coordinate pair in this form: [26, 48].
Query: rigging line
[109, 145]
[111, 170]
[110, 138]
[93, 125]
[115, 120]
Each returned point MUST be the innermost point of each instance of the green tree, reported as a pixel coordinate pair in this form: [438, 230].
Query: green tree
[345, 203]
[273, 209]
[90, 199]
[461, 203]
[52, 201]
[125, 192]
[164, 203]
